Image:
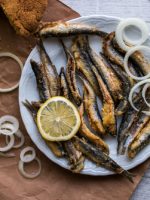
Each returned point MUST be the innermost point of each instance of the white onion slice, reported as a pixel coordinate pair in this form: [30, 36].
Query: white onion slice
[29, 157]
[9, 145]
[9, 119]
[22, 139]
[133, 89]
[13, 56]
[126, 58]
[121, 38]
[144, 93]
[27, 175]
[6, 129]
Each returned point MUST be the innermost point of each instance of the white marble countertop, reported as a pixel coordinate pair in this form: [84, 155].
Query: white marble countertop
[120, 8]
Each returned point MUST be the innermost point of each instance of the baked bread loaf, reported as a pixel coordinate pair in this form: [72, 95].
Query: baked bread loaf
[24, 15]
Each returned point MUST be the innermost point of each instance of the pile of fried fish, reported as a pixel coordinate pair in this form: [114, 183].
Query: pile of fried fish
[103, 77]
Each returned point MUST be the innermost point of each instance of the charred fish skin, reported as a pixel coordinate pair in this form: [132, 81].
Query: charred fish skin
[101, 158]
[41, 80]
[128, 119]
[71, 75]
[63, 29]
[108, 107]
[91, 108]
[89, 135]
[82, 63]
[50, 70]
[126, 86]
[109, 77]
[55, 147]
[140, 140]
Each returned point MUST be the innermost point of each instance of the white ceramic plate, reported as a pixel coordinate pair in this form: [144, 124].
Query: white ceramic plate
[28, 90]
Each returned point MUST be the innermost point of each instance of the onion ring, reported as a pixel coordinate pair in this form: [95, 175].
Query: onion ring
[133, 90]
[27, 175]
[120, 37]
[144, 93]
[13, 56]
[9, 145]
[12, 120]
[128, 54]
[22, 139]
[29, 157]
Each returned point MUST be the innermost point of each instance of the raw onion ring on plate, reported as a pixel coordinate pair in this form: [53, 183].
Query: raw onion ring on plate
[133, 89]
[122, 39]
[145, 88]
[126, 58]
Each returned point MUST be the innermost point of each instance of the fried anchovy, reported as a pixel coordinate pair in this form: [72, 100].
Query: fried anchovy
[50, 71]
[101, 158]
[139, 141]
[63, 29]
[126, 86]
[75, 156]
[116, 57]
[76, 159]
[82, 64]
[91, 108]
[64, 90]
[89, 135]
[55, 147]
[41, 80]
[108, 75]
[71, 76]
[138, 59]
[108, 107]
[129, 120]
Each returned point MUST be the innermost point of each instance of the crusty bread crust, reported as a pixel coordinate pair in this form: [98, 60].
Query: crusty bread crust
[24, 15]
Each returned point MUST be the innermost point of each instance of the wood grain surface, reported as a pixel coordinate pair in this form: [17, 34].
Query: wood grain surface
[119, 8]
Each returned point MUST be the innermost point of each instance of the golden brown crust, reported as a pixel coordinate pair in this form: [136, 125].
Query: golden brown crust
[24, 16]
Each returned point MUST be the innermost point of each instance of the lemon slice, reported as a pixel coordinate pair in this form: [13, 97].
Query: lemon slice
[58, 119]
